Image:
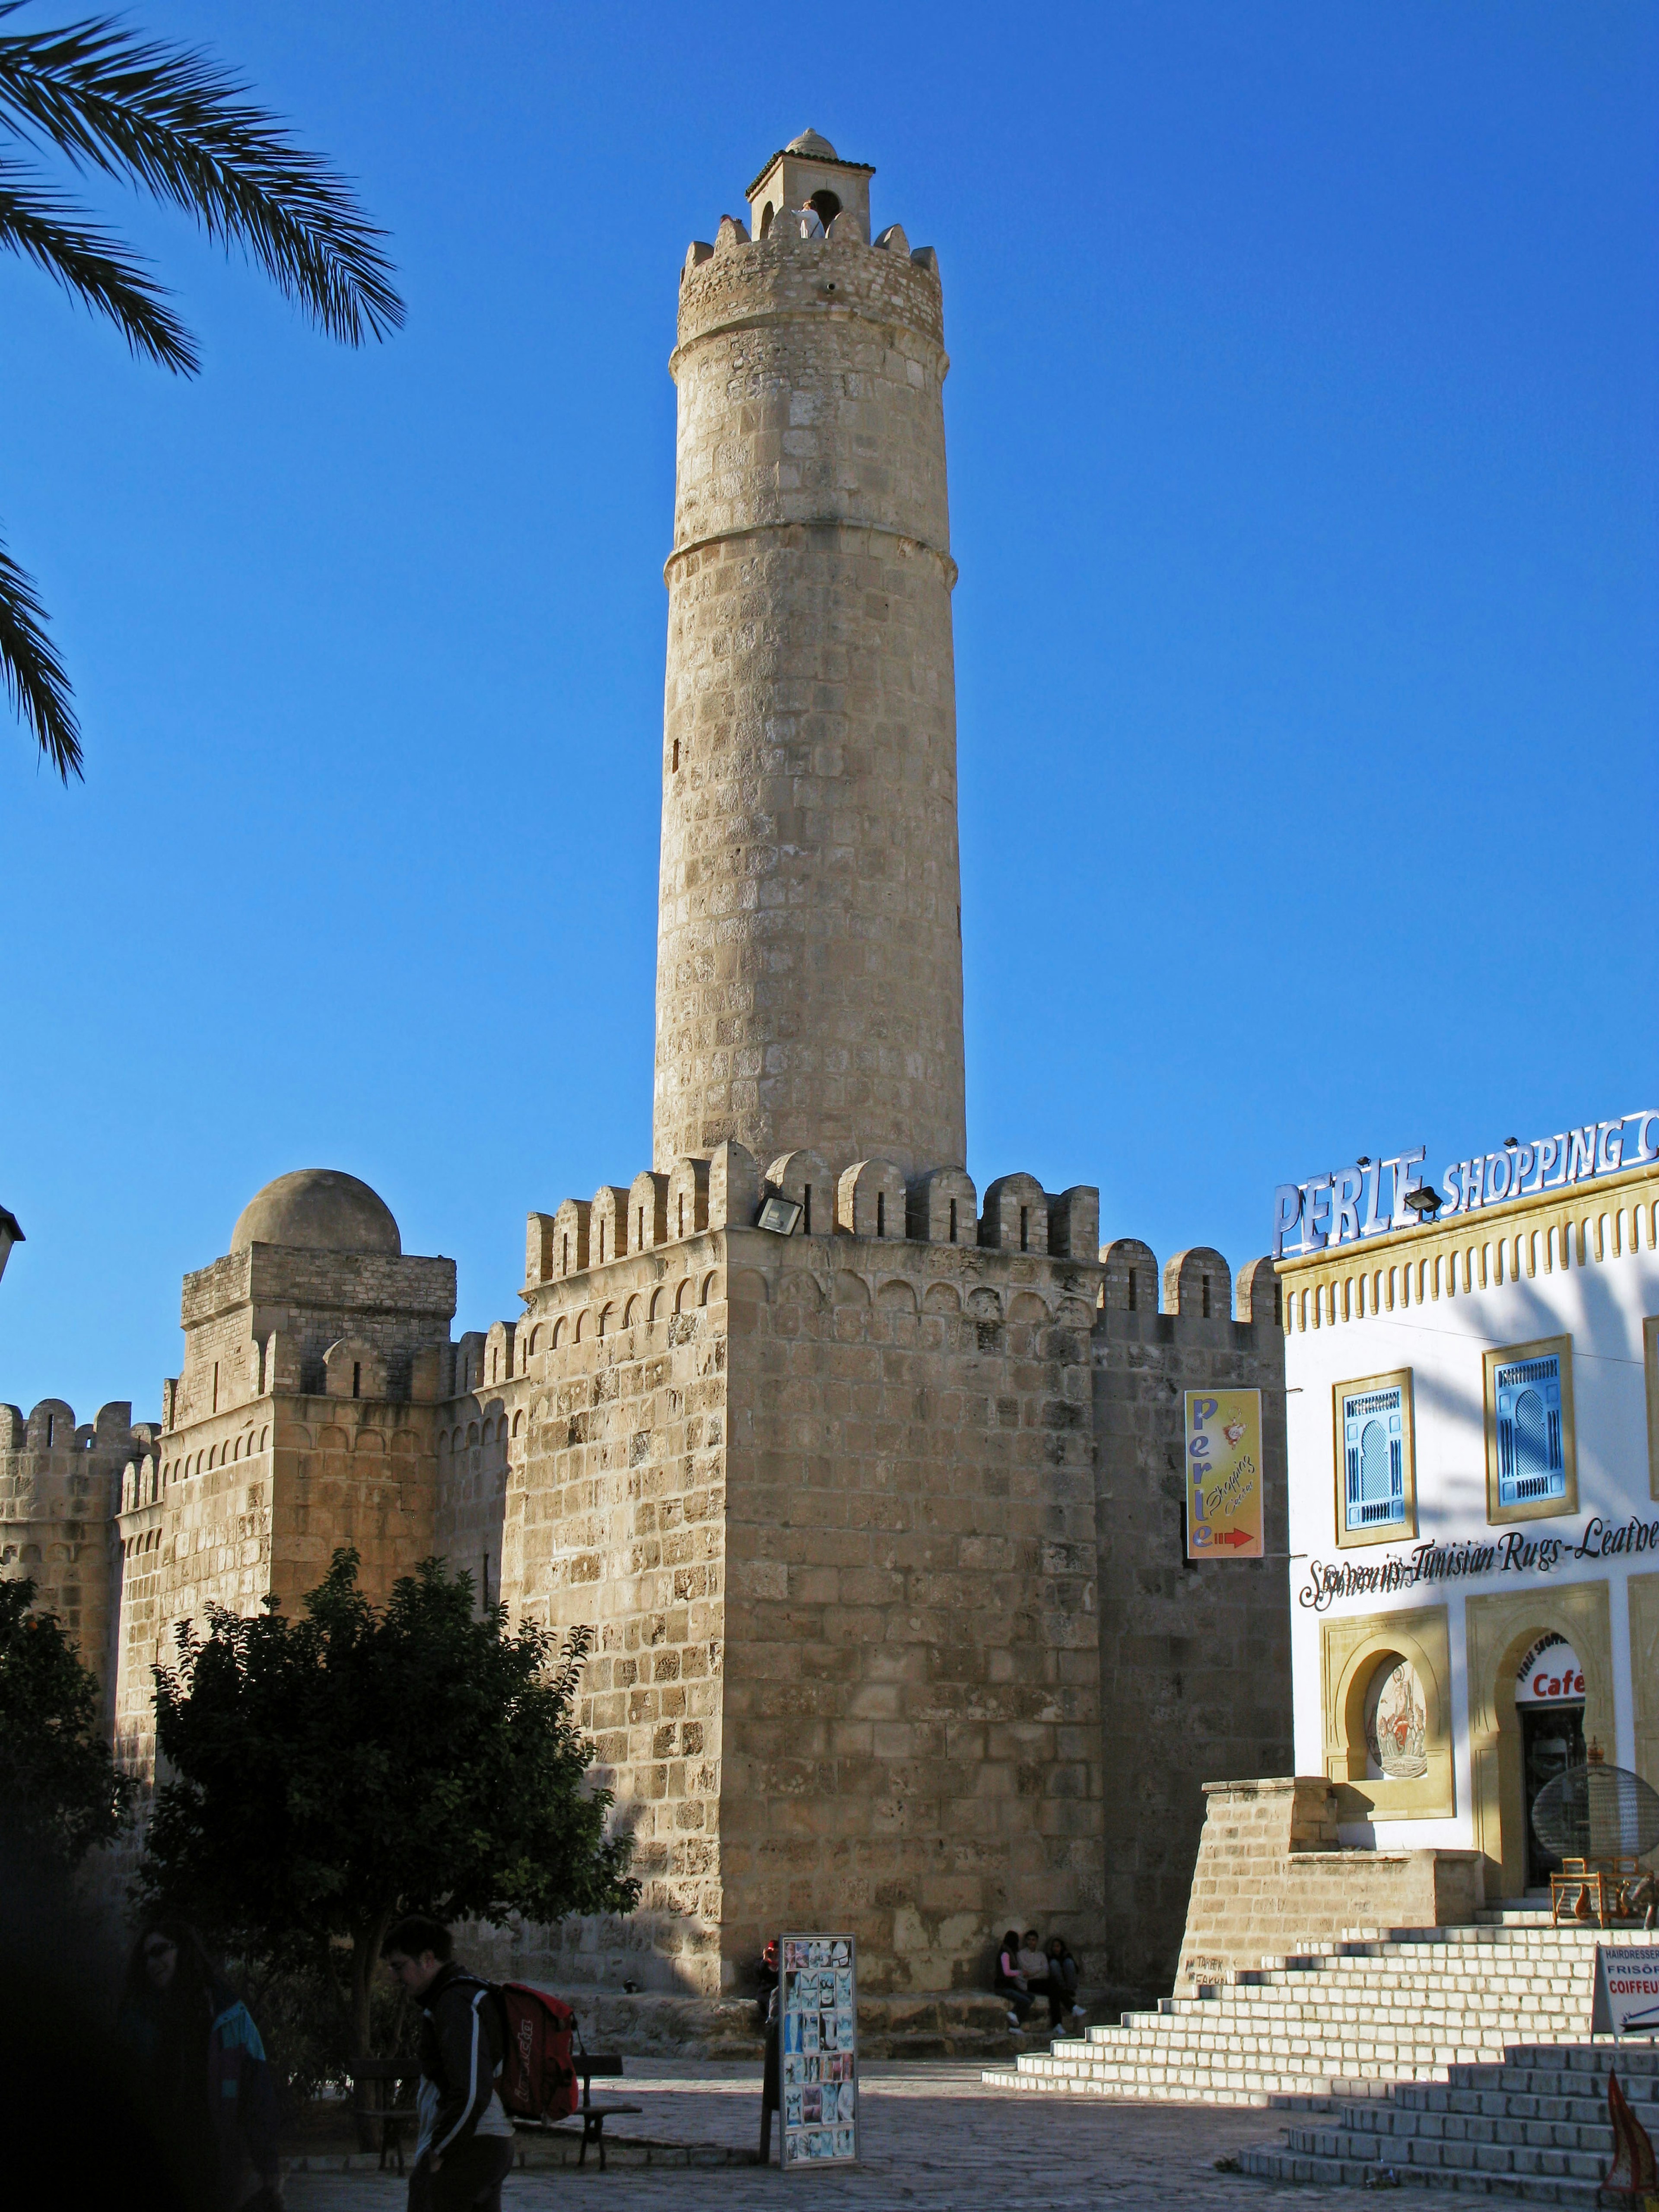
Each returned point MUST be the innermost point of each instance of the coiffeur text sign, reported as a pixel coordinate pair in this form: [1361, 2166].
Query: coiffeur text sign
[818, 2009]
[1626, 1990]
[1223, 1474]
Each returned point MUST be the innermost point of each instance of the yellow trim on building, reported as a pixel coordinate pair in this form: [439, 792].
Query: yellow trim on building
[1554, 1229]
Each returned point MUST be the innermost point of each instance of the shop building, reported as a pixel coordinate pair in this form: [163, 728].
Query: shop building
[1472, 1383]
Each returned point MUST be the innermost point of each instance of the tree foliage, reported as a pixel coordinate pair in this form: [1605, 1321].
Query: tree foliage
[331, 1770]
[60, 1790]
[172, 122]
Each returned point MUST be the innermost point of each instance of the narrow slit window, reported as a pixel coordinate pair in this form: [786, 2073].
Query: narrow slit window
[881, 1214]
[806, 1210]
[1133, 1288]
[953, 1221]
[356, 1378]
[1204, 1293]
[1025, 1228]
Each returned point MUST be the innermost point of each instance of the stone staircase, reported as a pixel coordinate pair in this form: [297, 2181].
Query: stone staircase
[1378, 2006]
[1536, 2127]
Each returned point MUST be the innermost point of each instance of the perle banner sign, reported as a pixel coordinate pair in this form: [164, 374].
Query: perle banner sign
[1223, 1474]
[819, 2002]
[1626, 1990]
[1373, 1197]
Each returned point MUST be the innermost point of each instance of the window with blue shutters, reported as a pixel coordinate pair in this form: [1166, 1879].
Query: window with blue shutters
[1529, 1448]
[1374, 1445]
[1376, 1484]
[1529, 1461]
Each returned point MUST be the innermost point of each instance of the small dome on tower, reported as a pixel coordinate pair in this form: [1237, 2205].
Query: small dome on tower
[320, 1209]
[812, 142]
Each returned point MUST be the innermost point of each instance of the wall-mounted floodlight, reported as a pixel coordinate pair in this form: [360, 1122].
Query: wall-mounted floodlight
[1423, 1200]
[780, 1215]
[10, 1234]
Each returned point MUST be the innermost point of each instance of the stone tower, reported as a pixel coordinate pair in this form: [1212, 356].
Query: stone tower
[808, 950]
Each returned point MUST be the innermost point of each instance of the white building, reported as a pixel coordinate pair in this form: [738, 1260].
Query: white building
[1474, 1447]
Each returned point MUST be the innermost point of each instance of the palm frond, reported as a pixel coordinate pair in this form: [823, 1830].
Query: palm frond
[56, 235]
[172, 120]
[32, 672]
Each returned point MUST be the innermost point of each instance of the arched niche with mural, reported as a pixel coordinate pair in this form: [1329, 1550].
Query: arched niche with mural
[1499, 1633]
[1361, 1661]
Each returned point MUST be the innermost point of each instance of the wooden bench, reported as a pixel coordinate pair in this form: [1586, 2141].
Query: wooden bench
[374, 2084]
[593, 2114]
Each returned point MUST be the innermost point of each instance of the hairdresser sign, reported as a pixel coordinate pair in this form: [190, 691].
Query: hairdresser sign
[1626, 1990]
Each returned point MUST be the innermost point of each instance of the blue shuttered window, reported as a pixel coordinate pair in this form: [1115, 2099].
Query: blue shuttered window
[1530, 1462]
[1373, 1457]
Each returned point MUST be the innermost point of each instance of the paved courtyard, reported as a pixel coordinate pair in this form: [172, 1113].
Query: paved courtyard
[933, 2137]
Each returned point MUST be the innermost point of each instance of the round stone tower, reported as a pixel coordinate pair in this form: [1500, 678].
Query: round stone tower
[809, 947]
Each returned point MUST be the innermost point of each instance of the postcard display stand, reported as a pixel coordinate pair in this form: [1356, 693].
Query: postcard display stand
[818, 2023]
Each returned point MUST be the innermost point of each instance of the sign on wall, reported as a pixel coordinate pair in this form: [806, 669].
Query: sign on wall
[818, 2006]
[1223, 1474]
[1626, 1990]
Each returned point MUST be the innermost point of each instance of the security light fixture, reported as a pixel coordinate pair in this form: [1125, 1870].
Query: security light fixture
[1424, 1201]
[780, 1215]
[10, 1234]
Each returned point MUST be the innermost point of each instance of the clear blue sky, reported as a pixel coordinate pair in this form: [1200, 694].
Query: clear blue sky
[1302, 439]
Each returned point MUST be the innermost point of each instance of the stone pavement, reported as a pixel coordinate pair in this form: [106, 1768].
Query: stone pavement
[935, 2137]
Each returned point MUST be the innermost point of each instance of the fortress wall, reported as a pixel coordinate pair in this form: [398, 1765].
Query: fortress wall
[911, 1741]
[1194, 1660]
[56, 1505]
[615, 1517]
[256, 1500]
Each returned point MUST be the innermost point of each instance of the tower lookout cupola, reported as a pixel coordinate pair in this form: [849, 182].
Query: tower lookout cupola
[808, 172]
[809, 949]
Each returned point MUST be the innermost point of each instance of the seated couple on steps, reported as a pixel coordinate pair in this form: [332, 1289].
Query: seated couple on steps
[1026, 1971]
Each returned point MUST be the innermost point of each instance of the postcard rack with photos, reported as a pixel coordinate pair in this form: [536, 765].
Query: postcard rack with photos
[818, 2010]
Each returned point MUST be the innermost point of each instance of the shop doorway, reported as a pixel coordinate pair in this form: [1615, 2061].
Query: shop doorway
[1549, 1703]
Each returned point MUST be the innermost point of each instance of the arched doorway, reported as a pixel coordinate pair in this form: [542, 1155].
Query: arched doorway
[1549, 1705]
[1503, 1632]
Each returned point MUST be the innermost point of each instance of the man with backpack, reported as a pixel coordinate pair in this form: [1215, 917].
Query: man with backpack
[464, 2148]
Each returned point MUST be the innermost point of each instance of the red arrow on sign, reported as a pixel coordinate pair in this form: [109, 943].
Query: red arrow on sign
[1234, 1536]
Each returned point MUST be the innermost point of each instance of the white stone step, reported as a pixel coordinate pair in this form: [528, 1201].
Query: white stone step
[1534, 2128]
[1378, 2005]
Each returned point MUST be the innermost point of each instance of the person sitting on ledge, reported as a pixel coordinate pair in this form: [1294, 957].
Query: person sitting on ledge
[1010, 1983]
[1033, 1963]
[1062, 1982]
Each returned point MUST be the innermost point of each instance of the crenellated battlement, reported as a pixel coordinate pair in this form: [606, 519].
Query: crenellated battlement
[726, 1187]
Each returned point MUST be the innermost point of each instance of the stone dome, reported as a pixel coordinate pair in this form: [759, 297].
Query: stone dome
[812, 143]
[320, 1209]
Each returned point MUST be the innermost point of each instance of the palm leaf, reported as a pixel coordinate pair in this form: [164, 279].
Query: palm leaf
[32, 672]
[172, 120]
[54, 233]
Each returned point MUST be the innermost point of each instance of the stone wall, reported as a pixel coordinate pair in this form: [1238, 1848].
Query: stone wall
[59, 1489]
[1195, 1662]
[912, 1734]
[1272, 1879]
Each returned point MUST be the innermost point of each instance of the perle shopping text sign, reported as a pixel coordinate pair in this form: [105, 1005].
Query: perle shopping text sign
[1223, 1474]
[1626, 1990]
[818, 2007]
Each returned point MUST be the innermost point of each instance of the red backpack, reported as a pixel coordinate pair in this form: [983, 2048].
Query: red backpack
[539, 2081]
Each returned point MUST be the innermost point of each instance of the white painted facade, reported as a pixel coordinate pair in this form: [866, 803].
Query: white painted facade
[1513, 1352]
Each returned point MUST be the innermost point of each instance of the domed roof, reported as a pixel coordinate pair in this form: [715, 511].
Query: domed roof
[321, 1210]
[811, 142]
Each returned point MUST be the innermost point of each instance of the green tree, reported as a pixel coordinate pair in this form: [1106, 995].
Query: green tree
[60, 1791]
[172, 122]
[335, 1769]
